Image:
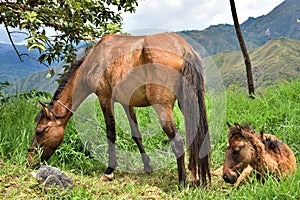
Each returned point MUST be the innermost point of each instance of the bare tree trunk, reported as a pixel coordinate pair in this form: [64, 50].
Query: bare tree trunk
[243, 48]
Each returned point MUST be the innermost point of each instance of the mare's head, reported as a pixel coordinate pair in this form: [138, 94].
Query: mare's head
[239, 152]
[48, 135]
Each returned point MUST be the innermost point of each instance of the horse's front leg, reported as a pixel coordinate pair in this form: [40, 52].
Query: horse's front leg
[137, 137]
[244, 175]
[111, 138]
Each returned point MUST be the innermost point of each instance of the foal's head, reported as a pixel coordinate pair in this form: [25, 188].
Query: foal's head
[47, 137]
[239, 152]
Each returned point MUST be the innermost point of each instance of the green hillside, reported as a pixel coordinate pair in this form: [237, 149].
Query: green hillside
[276, 61]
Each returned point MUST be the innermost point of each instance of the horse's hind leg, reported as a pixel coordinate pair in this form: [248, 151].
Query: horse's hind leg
[111, 137]
[136, 135]
[166, 119]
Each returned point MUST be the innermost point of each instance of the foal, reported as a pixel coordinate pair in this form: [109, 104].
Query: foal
[248, 151]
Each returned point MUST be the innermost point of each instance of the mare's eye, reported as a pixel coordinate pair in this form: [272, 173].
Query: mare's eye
[41, 131]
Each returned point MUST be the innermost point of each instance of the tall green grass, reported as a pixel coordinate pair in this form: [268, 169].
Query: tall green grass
[17, 125]
[276, 110]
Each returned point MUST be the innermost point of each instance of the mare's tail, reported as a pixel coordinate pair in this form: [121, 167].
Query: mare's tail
[192, 104]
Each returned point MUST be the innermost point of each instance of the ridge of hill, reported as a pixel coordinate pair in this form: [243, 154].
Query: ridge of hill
[280, 22]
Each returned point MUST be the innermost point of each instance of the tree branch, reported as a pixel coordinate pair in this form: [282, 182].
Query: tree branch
[28, 55]
[11, 41]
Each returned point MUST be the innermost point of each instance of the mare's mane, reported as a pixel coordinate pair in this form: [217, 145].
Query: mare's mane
[65, 79]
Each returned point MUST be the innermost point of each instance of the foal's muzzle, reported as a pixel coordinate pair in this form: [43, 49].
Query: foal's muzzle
[230, 178]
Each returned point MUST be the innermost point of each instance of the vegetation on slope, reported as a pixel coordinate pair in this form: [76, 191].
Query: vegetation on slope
[274, 62]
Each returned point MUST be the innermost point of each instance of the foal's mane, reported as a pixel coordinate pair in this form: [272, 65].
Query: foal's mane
[245, 128]
[65, 79]
[272, 143]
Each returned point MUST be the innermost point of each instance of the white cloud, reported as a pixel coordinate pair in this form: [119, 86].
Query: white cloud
[17, 37]
[176, 15]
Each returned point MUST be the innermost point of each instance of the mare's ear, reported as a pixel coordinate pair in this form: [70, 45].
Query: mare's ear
[42, 105]
[38, 117]
[47, 112]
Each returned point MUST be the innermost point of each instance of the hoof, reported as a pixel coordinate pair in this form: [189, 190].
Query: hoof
[148, 169]
[193, 178]
[34, 174]
[107, 177]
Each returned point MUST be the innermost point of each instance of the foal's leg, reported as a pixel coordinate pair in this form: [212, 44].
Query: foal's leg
[244, 175]
[111, 137]
[136, 135]
[217, 172]
[166, 119]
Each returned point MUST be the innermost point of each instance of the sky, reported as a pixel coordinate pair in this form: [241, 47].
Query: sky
[154, 16]
[178, 15]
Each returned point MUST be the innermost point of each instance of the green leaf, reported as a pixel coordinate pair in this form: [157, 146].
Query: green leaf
[37, 45]
[50, 74]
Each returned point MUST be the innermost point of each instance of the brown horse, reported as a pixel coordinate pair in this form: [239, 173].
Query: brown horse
[248, 151]
[135, 71]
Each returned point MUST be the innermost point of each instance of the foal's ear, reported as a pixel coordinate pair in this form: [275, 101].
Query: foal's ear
[261, 134]
[228, 125]
[46, 111]
[239, 128]
[262, 130]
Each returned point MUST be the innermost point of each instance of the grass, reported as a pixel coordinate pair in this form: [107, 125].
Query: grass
[277, 110]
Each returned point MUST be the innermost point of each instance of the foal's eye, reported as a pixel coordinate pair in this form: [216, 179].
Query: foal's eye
[236, 150]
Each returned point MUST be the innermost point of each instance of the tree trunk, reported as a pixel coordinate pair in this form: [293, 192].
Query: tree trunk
[243, 48]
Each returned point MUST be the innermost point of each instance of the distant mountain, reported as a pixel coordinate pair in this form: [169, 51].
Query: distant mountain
[39, 80]
[280, 22]
[276, 61]
[11, 68]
